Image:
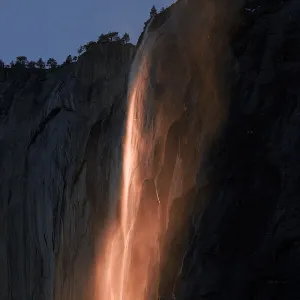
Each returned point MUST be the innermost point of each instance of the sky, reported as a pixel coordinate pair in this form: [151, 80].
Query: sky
[56, 28]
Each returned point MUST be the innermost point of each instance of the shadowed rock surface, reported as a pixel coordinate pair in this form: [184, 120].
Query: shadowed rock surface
[60, 142]
[236, 211]
[246, 243]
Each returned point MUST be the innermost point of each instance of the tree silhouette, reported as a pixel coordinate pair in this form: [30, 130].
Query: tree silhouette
[153, 12]
[12, 64]
[125, 38]
[162, 9]
[2, 65]
[31, 64]
[109, 37]
[116, 38]
[51, 63]
[80, 50]
[21, 62]
[41, 64]
[102, 38]
[75, 58]
[68, 60]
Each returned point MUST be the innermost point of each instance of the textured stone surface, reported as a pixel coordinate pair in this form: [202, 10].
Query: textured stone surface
[55, 134]
[237, 234]
[246, 243]
[224, 158]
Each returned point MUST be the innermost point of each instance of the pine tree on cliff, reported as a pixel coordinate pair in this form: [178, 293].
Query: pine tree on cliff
[41, 64]
[12, 64]
[80, 50]
[21, 62]
[109, 37]
[51, 63]
[113, 36]
[103, 39]
[31, 64]
[68, 60]
[153, 12]
[125, 39]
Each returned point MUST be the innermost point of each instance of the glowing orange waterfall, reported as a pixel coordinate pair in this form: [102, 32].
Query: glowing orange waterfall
[128, 260]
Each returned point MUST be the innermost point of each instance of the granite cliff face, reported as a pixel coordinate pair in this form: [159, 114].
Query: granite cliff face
[60, 137]
[225, 159]
[245, 245]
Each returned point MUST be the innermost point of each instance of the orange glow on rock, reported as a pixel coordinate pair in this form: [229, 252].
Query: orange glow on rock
[127, 267]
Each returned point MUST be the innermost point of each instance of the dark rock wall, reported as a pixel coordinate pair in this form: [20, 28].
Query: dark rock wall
[225, 159]
[232, 234]
[56, 133]
[246, 243]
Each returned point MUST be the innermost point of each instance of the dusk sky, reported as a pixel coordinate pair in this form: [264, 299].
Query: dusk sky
[56, 28]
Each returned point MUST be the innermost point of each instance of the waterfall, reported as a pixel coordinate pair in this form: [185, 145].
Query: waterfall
[130, 258]
[177, 104]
